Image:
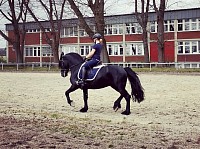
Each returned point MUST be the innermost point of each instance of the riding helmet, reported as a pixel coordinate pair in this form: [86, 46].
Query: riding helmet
[97, 35]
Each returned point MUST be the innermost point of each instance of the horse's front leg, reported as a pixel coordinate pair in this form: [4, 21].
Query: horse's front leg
[85, 98]
[71, 89]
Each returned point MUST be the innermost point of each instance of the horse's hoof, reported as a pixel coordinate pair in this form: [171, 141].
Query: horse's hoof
[115, 109]
[126, 113]
[83, 110]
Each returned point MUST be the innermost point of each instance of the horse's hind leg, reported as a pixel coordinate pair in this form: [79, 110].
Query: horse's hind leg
[85, 97]
[121, 89]
[127, 97]
[117, 103]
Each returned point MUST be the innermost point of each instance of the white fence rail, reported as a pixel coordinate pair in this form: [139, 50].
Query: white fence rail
[31, 66]
[50, 66]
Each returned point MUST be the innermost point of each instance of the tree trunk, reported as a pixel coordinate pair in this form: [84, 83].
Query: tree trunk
[146, 47]
[142, 18]
[97, 7]
[160, 35]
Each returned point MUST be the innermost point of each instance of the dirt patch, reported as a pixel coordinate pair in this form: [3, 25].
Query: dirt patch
[34, 114]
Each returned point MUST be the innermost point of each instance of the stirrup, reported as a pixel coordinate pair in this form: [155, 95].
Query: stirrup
[80, 82]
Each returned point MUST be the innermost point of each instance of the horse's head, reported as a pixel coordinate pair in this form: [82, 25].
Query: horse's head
[68, 62]
[63, 65]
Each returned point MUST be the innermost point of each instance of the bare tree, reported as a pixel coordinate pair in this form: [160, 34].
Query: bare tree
[142, 18]
[97, 8]
[160, 33]
[14, 14]
[54, 13]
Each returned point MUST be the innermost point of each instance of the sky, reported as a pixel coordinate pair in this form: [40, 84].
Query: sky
[122, 7]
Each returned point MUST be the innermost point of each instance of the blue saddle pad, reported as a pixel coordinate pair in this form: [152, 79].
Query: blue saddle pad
[91, 74]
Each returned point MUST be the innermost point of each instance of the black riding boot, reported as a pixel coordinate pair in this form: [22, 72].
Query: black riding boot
[82, 82]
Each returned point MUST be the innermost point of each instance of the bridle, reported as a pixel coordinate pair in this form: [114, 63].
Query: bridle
[67, 69]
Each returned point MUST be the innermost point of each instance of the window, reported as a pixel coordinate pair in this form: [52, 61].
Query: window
[110, 51]
[193, 24]
[114, 29]
[47, 29]
[121, 49]
[68, 48]
[135, 49]
[188, 25]
[33, 30]
[194, 46]
[108, 30]
[180, 25]
[84, 49]
[47, 51]
[165, 26]
[133, 28]
[199, 24]
[32, 51]
[153, 27]
[82, 33]
[115, 49]
[130, 28]
[180, 47]
[169, 25]
[199, 46]
[188, 47]
[69, 32]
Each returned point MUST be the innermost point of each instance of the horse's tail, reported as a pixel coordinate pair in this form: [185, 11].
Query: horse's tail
[137, 89]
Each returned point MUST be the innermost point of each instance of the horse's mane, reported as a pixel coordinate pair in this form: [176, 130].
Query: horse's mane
[74, 56]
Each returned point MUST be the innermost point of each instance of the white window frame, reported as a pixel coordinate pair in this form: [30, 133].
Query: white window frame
[32, 51]
[189, 24]
[85, 49]
[47, 51]
[115, 49]
[113, 29]
[169, 25]
[133, 28]
[137, 47]
[153, 27]
[187, 47]
[68, 48]
[69, 32]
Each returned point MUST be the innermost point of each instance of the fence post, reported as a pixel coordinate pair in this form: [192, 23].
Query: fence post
[1, 66]
[17, 67]
[32, 67]
[49, 66]
[150, 66]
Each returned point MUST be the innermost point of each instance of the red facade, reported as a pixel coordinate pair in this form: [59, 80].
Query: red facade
[170, 54]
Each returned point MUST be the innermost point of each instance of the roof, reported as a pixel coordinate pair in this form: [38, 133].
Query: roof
[119, 19]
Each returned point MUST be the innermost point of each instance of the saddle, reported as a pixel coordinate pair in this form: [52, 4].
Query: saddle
[91, 73]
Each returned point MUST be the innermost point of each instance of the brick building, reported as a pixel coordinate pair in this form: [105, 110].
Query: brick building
[124, 38]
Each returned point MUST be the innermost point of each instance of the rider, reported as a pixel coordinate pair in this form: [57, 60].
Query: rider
[93, 58]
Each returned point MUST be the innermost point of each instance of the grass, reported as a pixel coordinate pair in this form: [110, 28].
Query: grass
[168, 69]
[29, 68]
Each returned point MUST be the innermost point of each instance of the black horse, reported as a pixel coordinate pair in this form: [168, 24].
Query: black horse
[111, 75]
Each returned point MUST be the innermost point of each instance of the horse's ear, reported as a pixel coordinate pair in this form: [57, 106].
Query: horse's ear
[61, 55]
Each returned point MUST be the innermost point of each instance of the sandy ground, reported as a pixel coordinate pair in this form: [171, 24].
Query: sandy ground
[34, 114]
